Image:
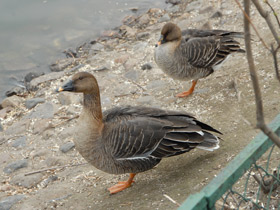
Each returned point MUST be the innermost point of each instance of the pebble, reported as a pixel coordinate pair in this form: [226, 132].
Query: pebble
[27, 181]
[128, 31]
[18, 127]
[30, 103]
[67, 132]
[67, 147]
[13, 101]
[8, 202]
[61, 64]
[45, 78]
[41, 125]
[206, 10]
[19, 142]
[43, 111]
[1, 127]
[147, 66]
[11, 167]
[133, 75]
[164, 18]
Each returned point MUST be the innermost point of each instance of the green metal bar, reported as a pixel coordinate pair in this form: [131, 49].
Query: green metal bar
[235, 169]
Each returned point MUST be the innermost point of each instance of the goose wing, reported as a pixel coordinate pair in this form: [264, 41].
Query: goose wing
[158, 136]
[204, 52]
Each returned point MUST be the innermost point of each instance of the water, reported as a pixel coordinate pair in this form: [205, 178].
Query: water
[33, 33]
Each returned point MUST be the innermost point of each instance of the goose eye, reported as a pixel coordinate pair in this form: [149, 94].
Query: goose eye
[80, 78]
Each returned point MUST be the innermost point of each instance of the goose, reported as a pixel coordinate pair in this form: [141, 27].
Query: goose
[132, 139]
[193, 54]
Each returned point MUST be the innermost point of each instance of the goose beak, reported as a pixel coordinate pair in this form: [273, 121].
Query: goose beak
[69, 86]
[160, 41]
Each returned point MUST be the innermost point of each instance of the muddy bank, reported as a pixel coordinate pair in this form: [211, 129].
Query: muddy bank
[36, 126]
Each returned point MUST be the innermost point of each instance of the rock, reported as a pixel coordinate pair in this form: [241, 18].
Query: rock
[157, 84]
[15, 91]
[144, 19]
[217, 14]
[31, 75]
[43, 111]
[130, 64]
[41, 125]
[1, 127]
[146, 66]
[45, 182]
[142, 35]
[122, 59]
[27, 181]
[62, 64]
[144, 100]
[11, 167]
[48, 134]
[45, 78]
[4, 112]
[110, 34]
[13, 101]
[19, 142]
[206, 26]
[164, 18]
[133, 75]
[8, 202]
[18, 127]
[53, 161]
[30, 103]
[173, 9]
[67, 147]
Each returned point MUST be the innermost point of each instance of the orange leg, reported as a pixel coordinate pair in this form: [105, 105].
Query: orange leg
[122, 185]
[189, 92]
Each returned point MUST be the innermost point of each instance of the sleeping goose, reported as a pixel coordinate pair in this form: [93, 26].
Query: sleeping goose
[132, 139]
[193, 54]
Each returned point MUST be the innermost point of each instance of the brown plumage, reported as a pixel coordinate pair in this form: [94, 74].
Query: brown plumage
[132, 139]
[193, 54]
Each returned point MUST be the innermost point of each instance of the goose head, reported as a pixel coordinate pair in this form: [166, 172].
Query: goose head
[170, 32]
[82, 82]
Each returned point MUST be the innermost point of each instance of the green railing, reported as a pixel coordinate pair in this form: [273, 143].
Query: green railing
[246, 159]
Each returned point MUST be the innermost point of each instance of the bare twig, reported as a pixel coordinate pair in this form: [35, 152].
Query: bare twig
[54, 168]
[173, 201]
[274, 55]
[254, 77]
[274, 13]
[250, 21]
[265, 15]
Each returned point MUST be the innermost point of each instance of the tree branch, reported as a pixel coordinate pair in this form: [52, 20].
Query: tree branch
[266, 16]
[254, 77]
